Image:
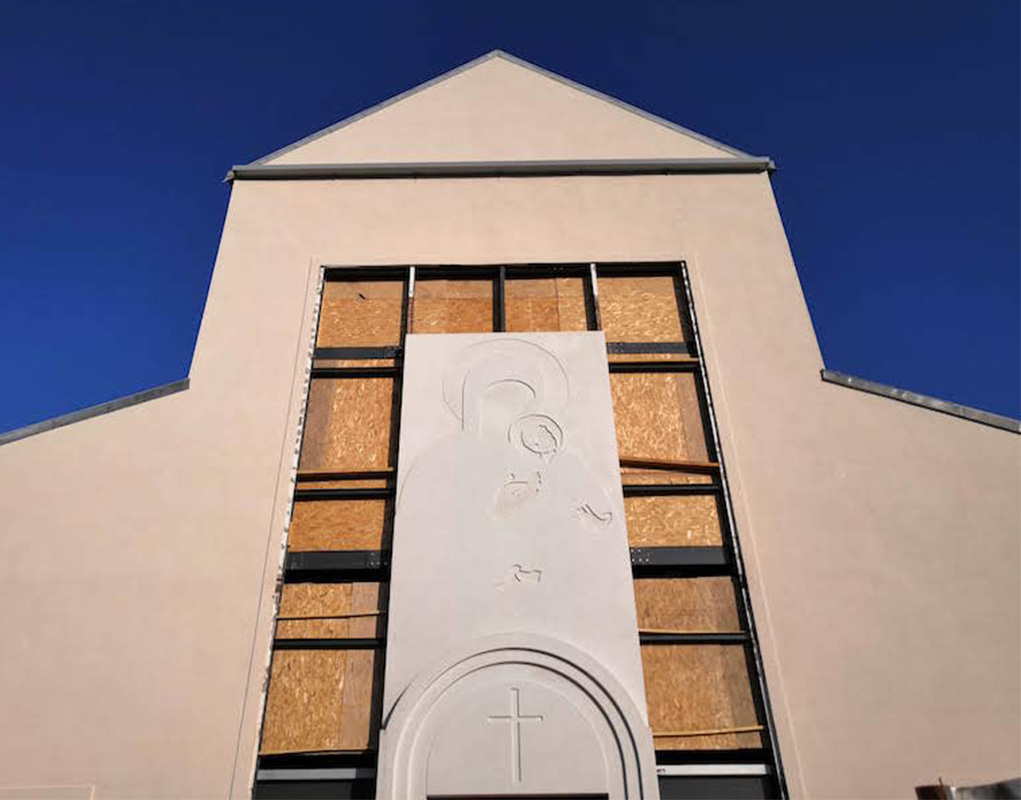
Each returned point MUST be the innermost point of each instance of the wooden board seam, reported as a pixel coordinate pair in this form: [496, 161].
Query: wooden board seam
[336, 616]
[711, 732]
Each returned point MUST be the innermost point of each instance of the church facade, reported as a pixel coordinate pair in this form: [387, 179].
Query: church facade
[508, 465]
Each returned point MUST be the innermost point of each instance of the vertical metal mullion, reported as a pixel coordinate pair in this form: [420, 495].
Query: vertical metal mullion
[594, 284]
[281, 568]
[499, 309]
[746, 615]
[389, 508]
[687, 332]
[407, 318]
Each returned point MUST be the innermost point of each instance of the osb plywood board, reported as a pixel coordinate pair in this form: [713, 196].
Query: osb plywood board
[678, 357]
[357, 731]
[636, 476]
[306, 610]
[360, 314]
[545, 304]
[698, 688]
[657, 416]
[680, 521]
[639, 309]
[320, 700]
[337, 525]
[347, 426]
[344, 363]
[449, 306]
[306, 693]
[344, 483]
[686, 605]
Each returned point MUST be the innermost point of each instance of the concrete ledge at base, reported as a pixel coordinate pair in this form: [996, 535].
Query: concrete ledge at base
[94, 411]
[915, 399]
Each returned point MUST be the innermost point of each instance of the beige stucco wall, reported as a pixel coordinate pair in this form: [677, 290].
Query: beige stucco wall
[138, 549]
[498, 110]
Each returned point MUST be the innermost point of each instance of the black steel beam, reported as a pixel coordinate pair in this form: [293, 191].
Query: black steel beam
[646, 347]
[336, 567]
[342, 494]
[654, 366]
[354, 372]
[328, 644]
[693, 638]
[683, 557]
[336, 273]
[357, 352]
[659, 490]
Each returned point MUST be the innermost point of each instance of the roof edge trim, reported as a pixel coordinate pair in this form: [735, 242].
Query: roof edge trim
[495, 169]
[925, 401]
[622, 104]
[648, 115]
[94, 411]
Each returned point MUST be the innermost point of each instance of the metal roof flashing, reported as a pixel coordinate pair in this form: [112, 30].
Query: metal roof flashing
[915, 399]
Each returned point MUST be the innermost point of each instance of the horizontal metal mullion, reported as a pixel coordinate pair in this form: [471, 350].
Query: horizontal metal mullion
[365, 273]
[355, 372]
[655, 366]
[315, 774]
[667, 489]
[336, 566]
[343, 494]
[485, 272]
[328, 644]
[357, 475]
[637, 269]
[712, 770]
[693, 638]
[541, 271]
[647, 347]
[743, 755]
[357, 352]
[362, 759]
[689, 557]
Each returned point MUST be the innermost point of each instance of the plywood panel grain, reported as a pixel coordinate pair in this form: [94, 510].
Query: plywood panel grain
[639, 309]
[360, 314]
[680, 521]
[657, 416]
[347, 426]
[303, 709]
[699, 688]
[337, 525]
[321, 700]
[453, 306]
[344, 483]
[545, 304]
[686, 604]
[346, 363]
[305, 609]
[636, 476]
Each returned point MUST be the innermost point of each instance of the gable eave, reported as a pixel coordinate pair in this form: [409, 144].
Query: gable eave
[497, 53]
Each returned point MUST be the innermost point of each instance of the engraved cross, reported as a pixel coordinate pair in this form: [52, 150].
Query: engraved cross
[515, 718]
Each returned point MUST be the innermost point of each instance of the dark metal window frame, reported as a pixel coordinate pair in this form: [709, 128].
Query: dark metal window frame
[675, 562]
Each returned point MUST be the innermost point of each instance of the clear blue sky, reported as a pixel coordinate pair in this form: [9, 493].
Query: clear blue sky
[895, 126]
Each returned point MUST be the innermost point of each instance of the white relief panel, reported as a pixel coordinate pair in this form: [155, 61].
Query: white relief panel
[509, 523]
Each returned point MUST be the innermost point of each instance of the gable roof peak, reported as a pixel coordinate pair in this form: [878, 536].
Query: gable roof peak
[352, 148]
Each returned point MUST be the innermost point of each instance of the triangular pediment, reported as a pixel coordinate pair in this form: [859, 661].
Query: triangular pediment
[499, 108]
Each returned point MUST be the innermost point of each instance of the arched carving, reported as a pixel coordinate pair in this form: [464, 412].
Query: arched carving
[507, 697]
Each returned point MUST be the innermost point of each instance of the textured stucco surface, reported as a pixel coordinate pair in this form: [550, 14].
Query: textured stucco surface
[138, 549]
[498, 111]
